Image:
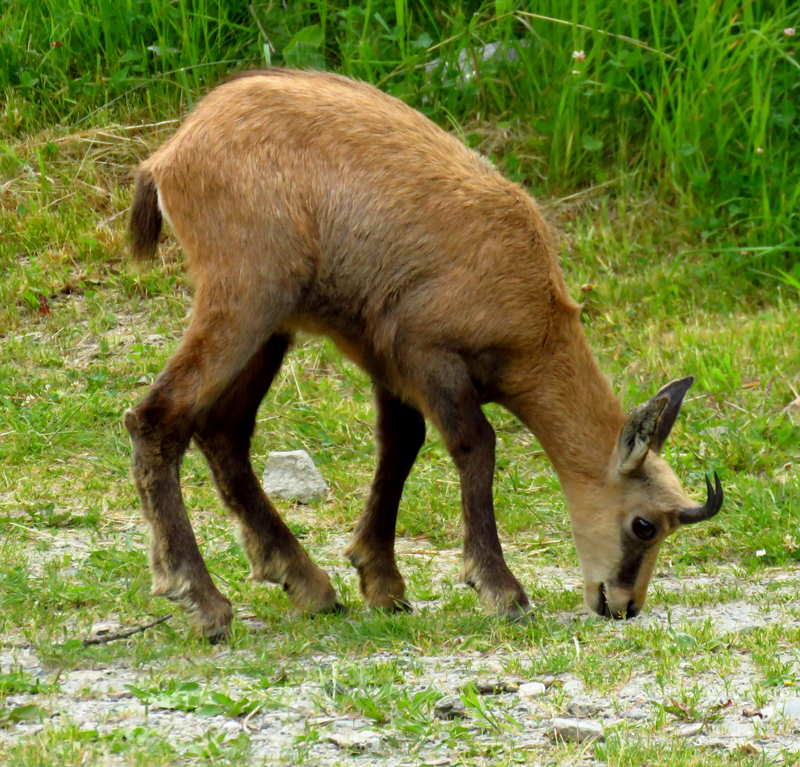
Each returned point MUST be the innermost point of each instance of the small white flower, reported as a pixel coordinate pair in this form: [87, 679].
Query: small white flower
[576, 71]
[581, 56]
[759, 150]
[789, 32]
[761, 552]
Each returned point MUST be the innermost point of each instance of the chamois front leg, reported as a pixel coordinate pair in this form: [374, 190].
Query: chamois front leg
[470, 440]
[400, 433]
[224, 435]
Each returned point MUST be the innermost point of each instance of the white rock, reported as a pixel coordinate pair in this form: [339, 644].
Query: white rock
[743, 730]
[582, 708]
[573, 686]
[789, 709]
[104, 628]
[292, 476]
[356, 741]
[575, 730]
[532, 689]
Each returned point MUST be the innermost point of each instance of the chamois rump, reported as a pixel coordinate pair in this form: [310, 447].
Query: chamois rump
[310, 202]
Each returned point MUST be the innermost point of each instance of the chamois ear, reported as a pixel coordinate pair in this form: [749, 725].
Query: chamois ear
[638, 434]
[649, 425]
[674, 392]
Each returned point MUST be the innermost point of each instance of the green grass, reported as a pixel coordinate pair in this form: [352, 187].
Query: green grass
[694, 100]
[678, 239]
[73, 358]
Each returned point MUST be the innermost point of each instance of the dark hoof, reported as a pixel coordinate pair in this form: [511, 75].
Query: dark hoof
[519, 613]
[398, 607]
[402, 606]
[519, 618]
[217, 637]
[337, 608]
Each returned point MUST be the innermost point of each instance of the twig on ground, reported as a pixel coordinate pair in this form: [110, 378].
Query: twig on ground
[113, 636]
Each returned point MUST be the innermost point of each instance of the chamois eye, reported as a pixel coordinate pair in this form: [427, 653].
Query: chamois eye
[644, 529]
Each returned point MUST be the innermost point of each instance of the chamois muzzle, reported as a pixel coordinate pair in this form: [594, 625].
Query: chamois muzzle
[603, 608]
[711, 507]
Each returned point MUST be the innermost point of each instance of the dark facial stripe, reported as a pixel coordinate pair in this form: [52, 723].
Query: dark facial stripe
[631, 564]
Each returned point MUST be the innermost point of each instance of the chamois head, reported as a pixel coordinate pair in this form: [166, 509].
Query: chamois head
[619, 526]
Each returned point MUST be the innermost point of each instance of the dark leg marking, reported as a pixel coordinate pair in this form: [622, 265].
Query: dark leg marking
[224, 435]
[400, 434]
[213, 352]
[471, 442]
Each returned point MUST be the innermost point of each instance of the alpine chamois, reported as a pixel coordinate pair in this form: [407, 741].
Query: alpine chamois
[309, 202]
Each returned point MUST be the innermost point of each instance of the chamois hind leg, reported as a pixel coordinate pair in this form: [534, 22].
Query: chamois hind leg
[229, 324]
[400, 433]
[224, 434]
[452, 401]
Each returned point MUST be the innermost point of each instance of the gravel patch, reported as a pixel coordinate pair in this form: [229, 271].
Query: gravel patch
[533, 713]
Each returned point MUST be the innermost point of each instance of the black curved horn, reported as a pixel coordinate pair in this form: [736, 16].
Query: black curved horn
[712, 505]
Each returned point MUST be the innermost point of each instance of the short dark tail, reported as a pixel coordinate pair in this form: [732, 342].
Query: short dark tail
[145, 224]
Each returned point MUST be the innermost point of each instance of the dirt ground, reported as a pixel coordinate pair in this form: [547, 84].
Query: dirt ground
[743, 720]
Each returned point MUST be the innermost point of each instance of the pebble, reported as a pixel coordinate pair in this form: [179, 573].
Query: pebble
[292, 476]
[575, 730]
[740, 729]
[449, 708]
[582, 708]
[532, 689]
[789, 709]
[637, 713]
[104, 628]
[359, 742]
[495, 688]
[573, 686]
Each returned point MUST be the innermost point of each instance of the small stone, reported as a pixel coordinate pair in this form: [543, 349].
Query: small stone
[574, 686]
[334, 689]
[292, 476]
[532, 689]
[104, 628]
[721, 744]
[355, 742]
[582, 708]
[789, 708]
[751, 711]
[636, 713]
[495, 688]
[740, 729]
[751, 749]
[690, 730]
[450, 708]
[576, 730]
[253, 624]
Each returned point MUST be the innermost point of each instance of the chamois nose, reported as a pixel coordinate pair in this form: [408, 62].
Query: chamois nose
[602, 602]
[604, 608]
[631, 611]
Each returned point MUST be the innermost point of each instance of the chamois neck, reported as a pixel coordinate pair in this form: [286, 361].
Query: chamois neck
[570, 408]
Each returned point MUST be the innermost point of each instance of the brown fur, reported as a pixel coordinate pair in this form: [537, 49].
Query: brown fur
[307, 201]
